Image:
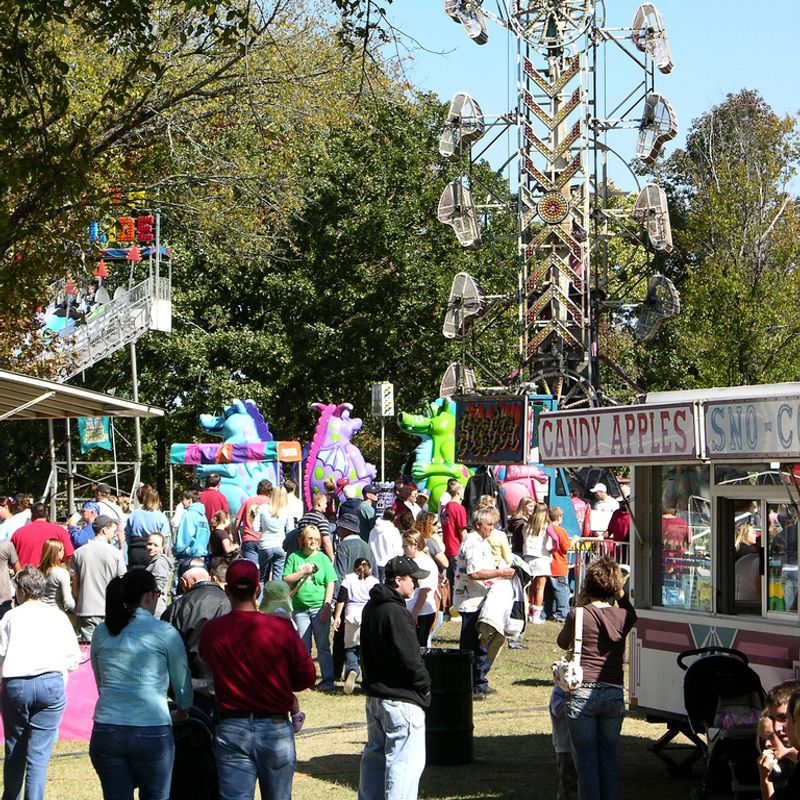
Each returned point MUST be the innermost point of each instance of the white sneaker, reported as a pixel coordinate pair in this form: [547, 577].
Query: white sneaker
[350, 682]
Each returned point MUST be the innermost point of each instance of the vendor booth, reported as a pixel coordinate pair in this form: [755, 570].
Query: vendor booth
[715, 479]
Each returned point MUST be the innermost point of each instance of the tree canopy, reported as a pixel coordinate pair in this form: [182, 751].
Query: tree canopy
[301, 213]
[737, 233]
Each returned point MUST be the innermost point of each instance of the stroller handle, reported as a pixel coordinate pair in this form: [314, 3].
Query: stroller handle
[707, 651]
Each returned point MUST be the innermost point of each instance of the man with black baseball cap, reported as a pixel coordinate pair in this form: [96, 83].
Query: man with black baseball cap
[257, 661]
[397, 685]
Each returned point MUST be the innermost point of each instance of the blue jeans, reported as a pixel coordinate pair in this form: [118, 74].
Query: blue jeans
[250, 749]
[249, 550]
[594, 719]
[308, 622]
[126, 756]
[271, 558]
[351, 661]
[437, 623]
[32, 709]
[394, 755]
[87, 625]
[470, 641]
[560, 607]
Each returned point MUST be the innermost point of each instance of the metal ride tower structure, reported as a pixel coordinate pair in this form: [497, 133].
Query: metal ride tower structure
[566, 213]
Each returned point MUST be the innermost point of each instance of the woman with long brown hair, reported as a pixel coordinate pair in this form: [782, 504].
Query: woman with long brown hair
[221, 542]
[426, 523]
[57, 588]
[423, 604]
[518, 521]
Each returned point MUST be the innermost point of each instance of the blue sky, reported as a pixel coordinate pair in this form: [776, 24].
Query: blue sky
[718, 46]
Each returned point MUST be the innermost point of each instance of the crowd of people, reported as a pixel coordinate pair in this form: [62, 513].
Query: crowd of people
[179, 612]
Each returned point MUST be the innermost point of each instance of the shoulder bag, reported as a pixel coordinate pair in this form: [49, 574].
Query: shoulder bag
[567, 671]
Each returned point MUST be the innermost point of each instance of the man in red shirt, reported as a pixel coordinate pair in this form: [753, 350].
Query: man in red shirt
[454, 528]
[212, 498]
[29, 539]
[257, 662]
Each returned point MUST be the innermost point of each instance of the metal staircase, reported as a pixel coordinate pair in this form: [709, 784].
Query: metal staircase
[114, 324]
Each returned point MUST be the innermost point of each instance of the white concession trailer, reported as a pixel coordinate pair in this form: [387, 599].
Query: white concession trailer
[704, 464]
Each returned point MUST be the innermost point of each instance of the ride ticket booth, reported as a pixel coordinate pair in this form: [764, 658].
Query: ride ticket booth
[715, 497]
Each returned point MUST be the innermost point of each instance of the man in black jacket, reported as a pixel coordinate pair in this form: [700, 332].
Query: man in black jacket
[397, 685]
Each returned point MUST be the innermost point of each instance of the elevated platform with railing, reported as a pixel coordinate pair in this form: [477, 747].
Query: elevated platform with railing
[111, 325]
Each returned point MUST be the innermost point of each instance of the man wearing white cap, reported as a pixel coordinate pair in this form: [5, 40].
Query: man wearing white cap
[602, 509]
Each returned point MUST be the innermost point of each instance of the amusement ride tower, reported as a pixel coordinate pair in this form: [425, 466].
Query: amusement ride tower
[562, 199]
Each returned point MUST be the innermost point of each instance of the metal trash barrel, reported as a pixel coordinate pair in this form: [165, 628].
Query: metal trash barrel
[448, 719]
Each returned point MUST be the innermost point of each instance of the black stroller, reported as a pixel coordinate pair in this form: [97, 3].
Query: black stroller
[194, 775]
[724, 698]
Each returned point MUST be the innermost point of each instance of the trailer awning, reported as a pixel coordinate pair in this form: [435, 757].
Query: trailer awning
[24, 397]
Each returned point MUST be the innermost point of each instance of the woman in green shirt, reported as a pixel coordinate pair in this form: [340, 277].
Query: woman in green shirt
[310, 572]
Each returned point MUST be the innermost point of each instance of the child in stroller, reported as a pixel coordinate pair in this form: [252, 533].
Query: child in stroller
[724, 698]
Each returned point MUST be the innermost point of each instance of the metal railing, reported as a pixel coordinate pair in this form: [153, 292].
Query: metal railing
[584, 551]
[112, 326]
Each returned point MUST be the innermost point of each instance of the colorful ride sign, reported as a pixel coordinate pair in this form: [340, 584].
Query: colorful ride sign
[490, 430]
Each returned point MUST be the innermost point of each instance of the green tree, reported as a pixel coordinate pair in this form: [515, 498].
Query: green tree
[737, 234]
[308, 260]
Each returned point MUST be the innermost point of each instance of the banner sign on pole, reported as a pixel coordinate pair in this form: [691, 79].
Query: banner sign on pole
[490, 430]
[382, 399]
[94, 432]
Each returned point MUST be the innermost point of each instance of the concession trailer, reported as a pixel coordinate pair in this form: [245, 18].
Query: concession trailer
[715, 489]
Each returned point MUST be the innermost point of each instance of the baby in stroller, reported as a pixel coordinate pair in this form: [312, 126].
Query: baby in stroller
[724, 699]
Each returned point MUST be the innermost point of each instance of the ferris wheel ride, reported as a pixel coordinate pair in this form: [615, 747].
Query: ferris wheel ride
[566, 214]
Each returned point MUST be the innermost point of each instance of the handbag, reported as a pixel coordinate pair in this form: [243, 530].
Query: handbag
[567, 671]
[444, 598]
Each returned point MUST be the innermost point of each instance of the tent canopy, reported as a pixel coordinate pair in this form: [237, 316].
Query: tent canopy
[24, 397]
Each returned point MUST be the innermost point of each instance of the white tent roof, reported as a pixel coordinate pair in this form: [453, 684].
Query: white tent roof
[23, 397]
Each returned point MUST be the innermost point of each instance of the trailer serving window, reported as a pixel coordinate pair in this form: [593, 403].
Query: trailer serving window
[682, 552]
[756, 524]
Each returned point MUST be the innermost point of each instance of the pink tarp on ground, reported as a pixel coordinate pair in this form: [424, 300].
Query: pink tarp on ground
[76, 724]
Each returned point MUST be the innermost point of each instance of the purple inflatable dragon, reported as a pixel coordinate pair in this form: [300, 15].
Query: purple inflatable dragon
[332, 455]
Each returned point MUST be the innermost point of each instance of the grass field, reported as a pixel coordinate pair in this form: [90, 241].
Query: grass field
[513, 751]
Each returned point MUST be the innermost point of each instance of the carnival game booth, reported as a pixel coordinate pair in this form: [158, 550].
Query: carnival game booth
[715, 479]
